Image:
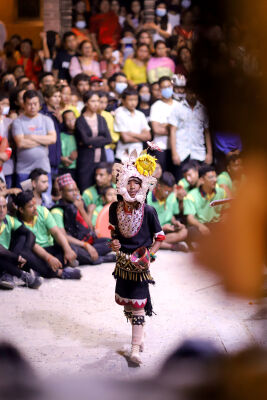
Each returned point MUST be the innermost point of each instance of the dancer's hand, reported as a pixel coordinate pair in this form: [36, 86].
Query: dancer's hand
[115, 245]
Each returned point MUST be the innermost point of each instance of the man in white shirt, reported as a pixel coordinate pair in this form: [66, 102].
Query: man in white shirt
[189, 133]
[131, 124]
[159, 118]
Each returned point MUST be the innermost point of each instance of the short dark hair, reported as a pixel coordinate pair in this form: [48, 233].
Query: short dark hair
[27, 40]
[167, 179]
[36, 172]
[23, 198]
[105, 47]
[105, 165]
[80, 77]
[164, 78]
[66, 35]
[205, 168]
[192, 164]
[44, 74]
[129, 92]
[30, 94]
[159, 42]
[232, 158]
[50, 91]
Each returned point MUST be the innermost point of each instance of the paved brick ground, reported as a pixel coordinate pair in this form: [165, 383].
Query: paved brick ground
[75, 326]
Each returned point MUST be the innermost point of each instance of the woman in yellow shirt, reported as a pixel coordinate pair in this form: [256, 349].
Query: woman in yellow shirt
[135, 68]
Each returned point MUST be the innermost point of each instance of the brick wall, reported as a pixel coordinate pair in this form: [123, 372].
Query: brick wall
[57, 15]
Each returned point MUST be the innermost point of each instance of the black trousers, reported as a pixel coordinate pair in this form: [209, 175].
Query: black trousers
[84, 258]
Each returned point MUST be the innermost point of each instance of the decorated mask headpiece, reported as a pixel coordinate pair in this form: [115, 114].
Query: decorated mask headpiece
[141, 167]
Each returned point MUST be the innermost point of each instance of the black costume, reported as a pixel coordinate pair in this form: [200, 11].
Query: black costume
[85, 161]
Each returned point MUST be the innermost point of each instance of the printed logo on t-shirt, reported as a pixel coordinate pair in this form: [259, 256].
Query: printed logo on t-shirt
[34, 128]
[65, 64]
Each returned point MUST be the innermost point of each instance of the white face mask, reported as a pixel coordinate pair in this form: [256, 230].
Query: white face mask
[80, 24]
[5, 110]
[179, 96]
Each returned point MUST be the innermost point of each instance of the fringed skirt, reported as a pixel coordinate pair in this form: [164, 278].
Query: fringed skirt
[132, 286]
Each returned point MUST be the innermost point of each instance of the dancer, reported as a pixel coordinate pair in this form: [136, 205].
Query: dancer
[135, 229]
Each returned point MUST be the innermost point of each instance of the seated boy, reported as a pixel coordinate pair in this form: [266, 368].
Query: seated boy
[163, 199]
[109, 196]
[93, 195]
[200, 215]
[233, 176]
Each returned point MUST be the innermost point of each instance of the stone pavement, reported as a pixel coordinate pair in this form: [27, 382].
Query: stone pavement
[75, 326]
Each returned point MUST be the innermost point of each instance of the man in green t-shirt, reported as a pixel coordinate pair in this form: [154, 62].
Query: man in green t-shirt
[50, 259]
[200, 215]
[163, 199]
[12, 260]
[93, 195]
[230, 179]
[74, 223]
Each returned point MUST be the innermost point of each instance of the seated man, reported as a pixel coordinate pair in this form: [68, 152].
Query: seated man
[39, 178]
[93, 195]
[72, 220]
[200, 215]
[12, 261]
[49, 260]
[233, 176]
[190, 176]
[163, 199]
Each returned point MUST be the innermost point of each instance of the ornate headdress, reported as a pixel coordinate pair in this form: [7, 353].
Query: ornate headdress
[141, 167]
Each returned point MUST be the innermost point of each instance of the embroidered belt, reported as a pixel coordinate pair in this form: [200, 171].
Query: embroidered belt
[125, 269]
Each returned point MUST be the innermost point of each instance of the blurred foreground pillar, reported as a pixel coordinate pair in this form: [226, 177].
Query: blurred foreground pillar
[57, 15]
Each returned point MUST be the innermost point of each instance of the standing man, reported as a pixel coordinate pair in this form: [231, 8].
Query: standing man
[189, 133]
[62, 61]
[131, 124]
[32, 133]
[159, 118]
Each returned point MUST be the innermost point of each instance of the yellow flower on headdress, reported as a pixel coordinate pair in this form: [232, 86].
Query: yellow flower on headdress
[145, 164]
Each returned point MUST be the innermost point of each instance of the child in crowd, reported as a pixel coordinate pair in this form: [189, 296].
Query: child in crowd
[230, 179]
[110, 64]
[163, 199]
[200, 216]
[109, 195]
[68, 144]
[131, 124]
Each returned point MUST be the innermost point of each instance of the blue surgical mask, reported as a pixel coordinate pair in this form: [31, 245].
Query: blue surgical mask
[145, 97]
[161, 12]
[120, 87]
[6, 110]
[80, 24]
[167, 92]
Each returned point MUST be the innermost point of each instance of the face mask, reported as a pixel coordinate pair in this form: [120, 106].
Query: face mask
[8, 85]
[145, 97]
[179, 96]
[167, 92]
[186, 3]
[161, 12]
[80, 24]
[120, 86]
[5, 110]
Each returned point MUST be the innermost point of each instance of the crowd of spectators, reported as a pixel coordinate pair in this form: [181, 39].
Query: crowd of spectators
[83, 101]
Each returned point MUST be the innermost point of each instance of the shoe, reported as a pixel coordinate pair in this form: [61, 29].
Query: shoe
[134, 355]
[7, 282]
[74, 264]
[31, 281]
[109, 258]
[181, 246]
[71, 273]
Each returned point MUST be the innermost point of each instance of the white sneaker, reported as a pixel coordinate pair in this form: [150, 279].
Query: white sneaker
[134, 355]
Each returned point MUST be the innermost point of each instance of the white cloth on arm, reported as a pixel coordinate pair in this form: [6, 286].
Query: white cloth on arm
[160, 112]
[125, 121]
[190, 124]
